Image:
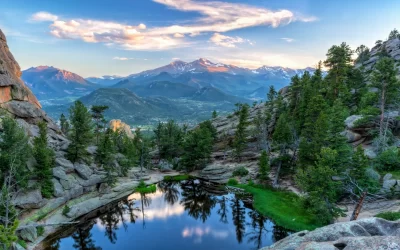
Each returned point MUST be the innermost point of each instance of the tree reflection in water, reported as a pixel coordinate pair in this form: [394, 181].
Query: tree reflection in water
[196, 200]
[199, 199]
[83, 238]
[238, 217]
[170, 190]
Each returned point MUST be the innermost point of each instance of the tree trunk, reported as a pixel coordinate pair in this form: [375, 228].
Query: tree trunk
[382, 111]
[357, 209]
[275, 183]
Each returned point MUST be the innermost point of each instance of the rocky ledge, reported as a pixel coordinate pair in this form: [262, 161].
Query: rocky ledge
[371, 233]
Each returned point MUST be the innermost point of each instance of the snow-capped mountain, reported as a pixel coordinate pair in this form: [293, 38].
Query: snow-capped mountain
[106, 80]
[204, 65]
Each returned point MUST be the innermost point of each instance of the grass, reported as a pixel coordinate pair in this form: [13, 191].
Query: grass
[144, 189]
[395, 173]
[282, 207]
[182, 177]
[392, 216]
[22, 243]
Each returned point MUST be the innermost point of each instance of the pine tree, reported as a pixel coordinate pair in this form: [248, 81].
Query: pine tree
[272, 94]
[384, 79]
[105, 157]
[197, 148]
[99, 121]
[339, 62]
[263, 165]
[45, 159]
[214, 114]
[15, 151]
[64, 124]
[142, 149]
[81, 132]
[360, 164]
[239, 142]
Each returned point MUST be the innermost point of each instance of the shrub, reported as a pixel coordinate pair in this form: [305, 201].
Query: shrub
[232, 182]
[40, 230]
[388, 160]
[66, 210]
[392, 216]
[240, 171]
[144, 189]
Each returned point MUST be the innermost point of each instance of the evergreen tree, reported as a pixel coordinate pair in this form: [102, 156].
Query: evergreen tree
[322, 191]
[99, 120]
[14, 152]
[394, 34]
[45, 159]
[239, 142]
[197, 148]
[339, 62]
[81, 132]
[384, 79]
[359, 166]
[362, 54]
[142, 149]
[64, 124]
[214, 114]
[263, 165]
[105, 157]
[272, 94]
[169, 138]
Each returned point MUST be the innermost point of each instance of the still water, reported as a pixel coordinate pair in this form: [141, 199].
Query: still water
[178, 216]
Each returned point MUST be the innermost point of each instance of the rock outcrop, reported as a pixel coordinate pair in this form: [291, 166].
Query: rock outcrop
[371, 233]
[121, 126]
[15, 97]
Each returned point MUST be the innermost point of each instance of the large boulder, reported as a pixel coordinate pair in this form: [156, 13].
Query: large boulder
[29, 199]
[371, 233]
[28, 234]
[58, 188]
[59, 173]
[83, 171]
[66, 164]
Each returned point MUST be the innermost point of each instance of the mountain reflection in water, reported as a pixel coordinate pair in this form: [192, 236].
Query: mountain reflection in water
[191, 214]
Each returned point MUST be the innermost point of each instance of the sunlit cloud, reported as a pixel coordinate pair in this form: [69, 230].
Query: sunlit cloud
[287, 39]
[216, 17]
[227, 41]
[123, 58]
[43, 16]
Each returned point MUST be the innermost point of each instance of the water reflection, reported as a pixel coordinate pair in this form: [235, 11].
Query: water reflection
[197, 214]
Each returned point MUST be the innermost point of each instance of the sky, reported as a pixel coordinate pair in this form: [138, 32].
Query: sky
[122, 37]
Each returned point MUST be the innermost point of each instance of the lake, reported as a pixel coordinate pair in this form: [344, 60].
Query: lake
[184, 215]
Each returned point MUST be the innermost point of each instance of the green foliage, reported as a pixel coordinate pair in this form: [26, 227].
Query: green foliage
[392, 216]
[7, 235]
[66, 210]
[232, 182]
[105, 157]
[362, 54]
[183, 177]
[239, 142]
[40, 230]
[99, 120]
[388, 160]
[64, 124]
[22, 243]
[394, 34]
[240, 171]
[15, 151]
[282, 135]
[321, 189]
[45, 159]
[272, 94]
[208, 126]
[142, 146]
[214, 114]
[81, 132]
[169, 139]
[263, 165]
[197, 147]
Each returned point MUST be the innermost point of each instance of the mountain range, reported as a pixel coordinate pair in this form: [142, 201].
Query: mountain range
[187, 92]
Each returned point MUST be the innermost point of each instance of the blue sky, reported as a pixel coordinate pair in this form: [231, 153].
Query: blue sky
[99, 37]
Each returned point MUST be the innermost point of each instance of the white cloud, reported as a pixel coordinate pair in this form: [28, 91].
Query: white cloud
[287, 39]
[227, 41]
[217, 17]
[122, 58]
[43, 16]
[176, 59]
